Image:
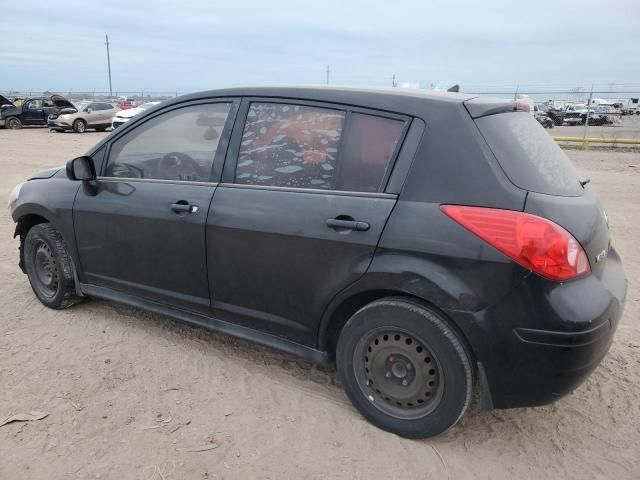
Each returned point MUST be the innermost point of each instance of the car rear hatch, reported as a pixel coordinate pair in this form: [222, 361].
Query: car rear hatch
[533, 161]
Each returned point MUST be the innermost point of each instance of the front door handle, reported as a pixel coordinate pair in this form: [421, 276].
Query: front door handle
[183, 207]
[344, 224]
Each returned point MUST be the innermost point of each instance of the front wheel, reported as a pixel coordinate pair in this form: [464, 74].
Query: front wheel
[404, 368]
[79, 126]
[49, 267]
[13, 123]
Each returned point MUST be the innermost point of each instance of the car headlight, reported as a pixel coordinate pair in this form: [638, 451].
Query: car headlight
[13, 196]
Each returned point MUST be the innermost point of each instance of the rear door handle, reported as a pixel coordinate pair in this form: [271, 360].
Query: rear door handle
[338, 224]
[183, 207]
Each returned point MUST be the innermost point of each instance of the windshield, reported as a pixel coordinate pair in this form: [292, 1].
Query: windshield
[81, 105]
[528, 155]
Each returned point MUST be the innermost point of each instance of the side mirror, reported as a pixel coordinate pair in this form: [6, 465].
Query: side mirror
[81, 168]
[88, 110]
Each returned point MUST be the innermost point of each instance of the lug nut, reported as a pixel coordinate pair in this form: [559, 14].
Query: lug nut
[404, 383]
[388, 375]
[409, 367]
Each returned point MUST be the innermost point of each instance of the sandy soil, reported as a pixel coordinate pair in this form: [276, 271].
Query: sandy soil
[137, 396]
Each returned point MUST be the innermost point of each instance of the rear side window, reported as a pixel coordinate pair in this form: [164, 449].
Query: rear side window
[369, 144]
[528, 155]
[310, 147]
[290, 146]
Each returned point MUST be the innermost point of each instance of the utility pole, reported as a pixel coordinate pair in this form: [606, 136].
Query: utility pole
[393, 81]
[328, 71]
[585, 145]
[109, 65]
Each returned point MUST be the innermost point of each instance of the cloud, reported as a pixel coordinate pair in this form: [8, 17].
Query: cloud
[198, 44]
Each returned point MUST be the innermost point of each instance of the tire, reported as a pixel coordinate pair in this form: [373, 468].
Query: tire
[79, 126]
[394, 358]
[49, 267]
[13, 123]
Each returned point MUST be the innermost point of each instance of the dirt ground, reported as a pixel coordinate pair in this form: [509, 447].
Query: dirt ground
[136, 396]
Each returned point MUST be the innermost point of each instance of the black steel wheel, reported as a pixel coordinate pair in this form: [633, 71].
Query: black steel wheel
[404, 368]
[399, 372]
[49, 266]
[46, 271]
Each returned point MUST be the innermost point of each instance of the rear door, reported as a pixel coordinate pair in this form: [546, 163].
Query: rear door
[300, 211]
[142, 230]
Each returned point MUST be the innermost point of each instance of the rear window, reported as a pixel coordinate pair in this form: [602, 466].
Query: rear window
[528, 155]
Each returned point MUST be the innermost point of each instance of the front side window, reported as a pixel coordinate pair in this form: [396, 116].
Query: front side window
[35, 104]
[290, 146]
[178, 145]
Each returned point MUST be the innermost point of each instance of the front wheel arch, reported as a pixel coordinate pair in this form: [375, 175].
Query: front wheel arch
[23, 225]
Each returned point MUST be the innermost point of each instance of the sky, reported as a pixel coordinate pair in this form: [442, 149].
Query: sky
[191, 45]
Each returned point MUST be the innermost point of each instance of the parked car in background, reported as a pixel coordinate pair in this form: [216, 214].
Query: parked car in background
[374, 227]
[82, 116]
[576, 114]
[126, 103]
[543, 119]
[123, 116]
[32, 111]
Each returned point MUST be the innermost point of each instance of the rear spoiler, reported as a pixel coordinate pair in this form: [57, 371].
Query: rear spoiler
[484, 106]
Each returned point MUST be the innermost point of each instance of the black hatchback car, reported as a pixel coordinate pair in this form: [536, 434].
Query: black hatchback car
[430, 243]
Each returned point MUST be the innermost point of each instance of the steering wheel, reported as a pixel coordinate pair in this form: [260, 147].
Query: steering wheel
[179, 166]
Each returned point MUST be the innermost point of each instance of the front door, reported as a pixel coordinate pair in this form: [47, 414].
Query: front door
[300, 213]
[142, 231]
[33, 112]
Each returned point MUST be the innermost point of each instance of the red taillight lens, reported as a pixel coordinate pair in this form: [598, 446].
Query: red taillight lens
[534, 242]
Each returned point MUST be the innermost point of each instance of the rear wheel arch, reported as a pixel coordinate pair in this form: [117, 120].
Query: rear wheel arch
[336, 319]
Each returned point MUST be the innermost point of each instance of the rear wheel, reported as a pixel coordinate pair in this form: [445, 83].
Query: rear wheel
[49, 267]
[13, 123]
[404, 368]
[79, 126]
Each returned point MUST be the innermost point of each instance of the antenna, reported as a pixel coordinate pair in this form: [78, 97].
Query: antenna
[109, 65]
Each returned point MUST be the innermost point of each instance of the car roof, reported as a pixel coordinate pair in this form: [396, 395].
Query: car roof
[409, 101]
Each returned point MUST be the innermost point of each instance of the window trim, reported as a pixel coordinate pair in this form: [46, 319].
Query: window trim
[220, 154]
[233, 152]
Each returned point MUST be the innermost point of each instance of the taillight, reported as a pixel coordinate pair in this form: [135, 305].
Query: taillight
[534, 242]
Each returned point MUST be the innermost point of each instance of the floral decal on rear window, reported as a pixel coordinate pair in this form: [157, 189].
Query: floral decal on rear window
[290, 146]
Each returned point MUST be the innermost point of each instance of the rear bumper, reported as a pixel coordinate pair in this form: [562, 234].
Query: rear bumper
[544, 339]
